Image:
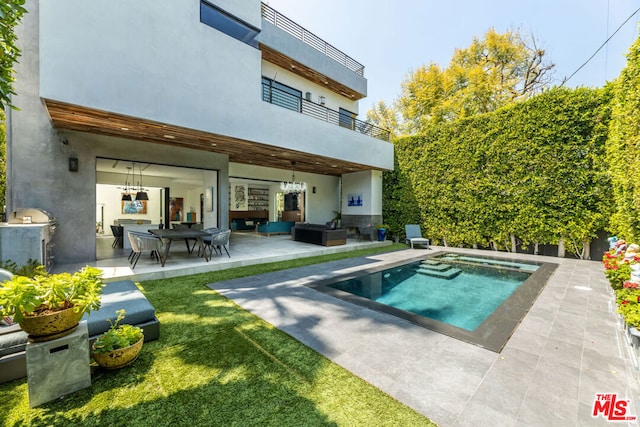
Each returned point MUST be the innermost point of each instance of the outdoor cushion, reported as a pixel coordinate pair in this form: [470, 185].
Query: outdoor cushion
[115, 296]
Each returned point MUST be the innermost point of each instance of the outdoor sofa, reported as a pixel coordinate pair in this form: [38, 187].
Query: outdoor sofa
[115, 296]
[276, 227]
[319, 234]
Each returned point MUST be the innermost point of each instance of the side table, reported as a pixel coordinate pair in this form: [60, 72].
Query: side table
[58, 367]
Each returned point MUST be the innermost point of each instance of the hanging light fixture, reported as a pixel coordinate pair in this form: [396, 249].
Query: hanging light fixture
[126, 197]
[141, 194]
[293, 186]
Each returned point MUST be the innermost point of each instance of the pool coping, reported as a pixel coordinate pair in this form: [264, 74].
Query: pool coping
[492, 334]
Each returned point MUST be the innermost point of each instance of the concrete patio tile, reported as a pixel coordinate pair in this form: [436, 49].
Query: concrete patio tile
[563, 351]
[527, 341]
[322, 347]
[547, 409]
[478, 414]
[367, 372]
[515, 363]
[502, 396]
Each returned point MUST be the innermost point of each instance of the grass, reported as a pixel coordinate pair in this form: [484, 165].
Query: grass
[217, 364]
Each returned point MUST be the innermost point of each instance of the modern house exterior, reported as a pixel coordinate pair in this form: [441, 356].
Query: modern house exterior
[233, 92]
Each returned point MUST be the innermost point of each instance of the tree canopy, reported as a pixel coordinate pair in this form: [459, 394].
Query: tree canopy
[492, 72]
[11, 12]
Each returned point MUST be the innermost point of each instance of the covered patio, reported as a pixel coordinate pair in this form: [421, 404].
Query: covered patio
[246, 248]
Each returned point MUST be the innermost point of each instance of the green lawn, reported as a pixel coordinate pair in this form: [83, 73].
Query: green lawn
[217, 364]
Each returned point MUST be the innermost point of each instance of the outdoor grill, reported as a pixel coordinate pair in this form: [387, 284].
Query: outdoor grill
[30, 216]
[28, 236]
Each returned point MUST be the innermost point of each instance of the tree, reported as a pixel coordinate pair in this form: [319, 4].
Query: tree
[385, 117]
[492, 72]
[11, 12]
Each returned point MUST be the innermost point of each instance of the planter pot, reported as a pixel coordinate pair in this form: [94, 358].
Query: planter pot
[119, 358]
[51, 326]
[382, 234]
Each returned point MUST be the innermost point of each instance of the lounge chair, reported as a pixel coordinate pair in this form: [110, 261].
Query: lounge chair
[414, 236]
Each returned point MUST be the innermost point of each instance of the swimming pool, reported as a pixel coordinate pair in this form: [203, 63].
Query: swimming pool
[478, 299]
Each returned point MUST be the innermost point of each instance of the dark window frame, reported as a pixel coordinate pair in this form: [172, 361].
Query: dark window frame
[285, 96]
[218, 19]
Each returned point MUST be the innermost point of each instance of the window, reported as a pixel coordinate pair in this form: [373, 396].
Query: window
[281, 95]
[228, 24]
[347, 119]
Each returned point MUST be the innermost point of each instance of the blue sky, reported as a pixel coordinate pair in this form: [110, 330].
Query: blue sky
[391, 38]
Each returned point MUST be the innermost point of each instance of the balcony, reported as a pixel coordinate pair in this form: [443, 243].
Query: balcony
[287, 25]
[293, 102]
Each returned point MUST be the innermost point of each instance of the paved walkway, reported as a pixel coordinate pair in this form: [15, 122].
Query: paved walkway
[569, 347]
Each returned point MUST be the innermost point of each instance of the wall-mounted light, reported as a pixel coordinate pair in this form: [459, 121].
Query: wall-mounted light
[73, 164]
[313, 189]
[323, 100]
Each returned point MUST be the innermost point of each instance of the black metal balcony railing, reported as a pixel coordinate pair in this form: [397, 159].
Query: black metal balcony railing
[294, 103]
[287, 25]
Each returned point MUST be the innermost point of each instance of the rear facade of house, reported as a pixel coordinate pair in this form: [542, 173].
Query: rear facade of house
[117, 95]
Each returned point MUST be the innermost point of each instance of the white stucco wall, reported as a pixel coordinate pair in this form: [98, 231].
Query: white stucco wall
[369, 185]
[162, 64]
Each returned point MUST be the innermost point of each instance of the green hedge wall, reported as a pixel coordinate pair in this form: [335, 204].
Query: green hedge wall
[623, 149]
[535, 170]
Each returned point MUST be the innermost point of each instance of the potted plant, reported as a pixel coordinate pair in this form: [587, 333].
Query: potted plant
[49, 306]
[119, 345]
[337, 219]
[382, 231]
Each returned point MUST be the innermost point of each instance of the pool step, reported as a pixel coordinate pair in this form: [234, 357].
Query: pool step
[448, 273]
[437, 266]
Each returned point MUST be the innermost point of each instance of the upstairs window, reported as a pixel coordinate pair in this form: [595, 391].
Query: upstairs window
[217, 18]
[281, 95]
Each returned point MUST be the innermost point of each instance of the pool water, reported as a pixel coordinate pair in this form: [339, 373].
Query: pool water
[467, 292]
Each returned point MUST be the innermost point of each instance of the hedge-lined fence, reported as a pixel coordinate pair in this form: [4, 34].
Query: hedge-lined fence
[531, 173]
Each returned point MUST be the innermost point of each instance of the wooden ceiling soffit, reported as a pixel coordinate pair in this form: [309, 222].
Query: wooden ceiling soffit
[83, 119]
[283, 61]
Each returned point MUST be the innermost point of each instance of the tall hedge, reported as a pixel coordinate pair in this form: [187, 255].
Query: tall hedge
[623, 148]
[534, 170]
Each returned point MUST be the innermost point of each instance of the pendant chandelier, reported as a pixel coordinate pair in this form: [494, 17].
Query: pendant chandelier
[126, 197]
[292, 186]
[141, 194]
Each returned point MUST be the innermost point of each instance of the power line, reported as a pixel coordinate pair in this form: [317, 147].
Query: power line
[600, 48]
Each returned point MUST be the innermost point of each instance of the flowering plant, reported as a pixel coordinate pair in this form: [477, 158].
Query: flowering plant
[617, 268]
[629, 305]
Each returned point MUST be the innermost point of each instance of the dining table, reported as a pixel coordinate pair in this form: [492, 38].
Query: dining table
[169, 235]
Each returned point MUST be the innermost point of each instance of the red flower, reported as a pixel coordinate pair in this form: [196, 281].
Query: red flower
[624, 302]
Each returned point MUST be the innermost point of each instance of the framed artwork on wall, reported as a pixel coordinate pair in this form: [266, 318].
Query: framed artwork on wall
[354, 199]
[209, 199]
[176, 209]
[239, 197]
[134, 206]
